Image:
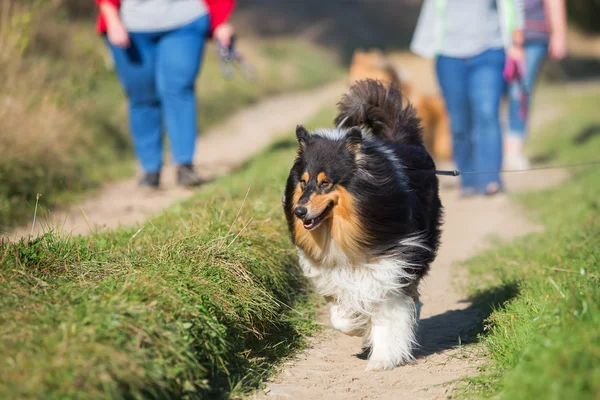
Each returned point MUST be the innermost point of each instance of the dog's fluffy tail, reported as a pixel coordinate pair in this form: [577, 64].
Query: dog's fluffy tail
[380, 109]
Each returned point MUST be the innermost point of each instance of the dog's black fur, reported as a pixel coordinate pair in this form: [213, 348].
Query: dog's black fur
[363, 209]
[390, 209]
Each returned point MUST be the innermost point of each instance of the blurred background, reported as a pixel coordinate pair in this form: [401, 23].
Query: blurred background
[63, 123]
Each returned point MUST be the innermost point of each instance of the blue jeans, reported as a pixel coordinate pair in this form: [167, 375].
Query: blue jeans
[158, 72]
[472, 88]
[535, 54]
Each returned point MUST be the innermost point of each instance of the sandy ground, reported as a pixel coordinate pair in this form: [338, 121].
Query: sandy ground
[218, 151]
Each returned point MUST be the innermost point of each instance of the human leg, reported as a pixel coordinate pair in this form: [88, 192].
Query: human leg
[486, 83]
[178, 62]
[452, 77]
[535, 53]
[136, 70]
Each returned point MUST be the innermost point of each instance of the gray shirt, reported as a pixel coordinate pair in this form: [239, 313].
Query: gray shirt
[472, 26]
[466, 28]
[160, 15]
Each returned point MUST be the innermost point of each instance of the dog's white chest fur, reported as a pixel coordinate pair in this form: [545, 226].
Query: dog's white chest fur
[366, 298]
[359, 285]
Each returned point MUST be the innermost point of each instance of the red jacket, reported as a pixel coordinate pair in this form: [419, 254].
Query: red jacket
[219, 11]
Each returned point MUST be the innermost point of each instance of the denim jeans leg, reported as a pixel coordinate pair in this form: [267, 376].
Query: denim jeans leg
[178, 62]
[136, 70]
[452, 75]
[486, 84]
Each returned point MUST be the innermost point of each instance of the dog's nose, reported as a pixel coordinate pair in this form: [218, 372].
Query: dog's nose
[300, 211]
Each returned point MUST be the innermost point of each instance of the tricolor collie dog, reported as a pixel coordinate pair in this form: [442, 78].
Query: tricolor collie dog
[363, 210]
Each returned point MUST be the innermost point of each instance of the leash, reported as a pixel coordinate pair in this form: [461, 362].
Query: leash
[456, 172]
[514, 73]
[230, 59]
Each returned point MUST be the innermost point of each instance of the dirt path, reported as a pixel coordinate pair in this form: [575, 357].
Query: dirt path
[331, 368]
[218, 151]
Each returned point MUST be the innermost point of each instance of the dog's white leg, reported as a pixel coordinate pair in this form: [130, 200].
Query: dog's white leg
[344, 321]
[392, 336]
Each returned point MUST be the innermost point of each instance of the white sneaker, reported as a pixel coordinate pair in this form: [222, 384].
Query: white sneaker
[517, 162]
[514, 156]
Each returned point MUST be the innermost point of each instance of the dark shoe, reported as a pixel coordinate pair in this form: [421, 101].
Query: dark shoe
[493, 189]
[186, 176]
[150, 180]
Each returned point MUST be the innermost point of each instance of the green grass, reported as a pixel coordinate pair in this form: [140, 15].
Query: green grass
[201, 301]
[545, 342]
[63, 123]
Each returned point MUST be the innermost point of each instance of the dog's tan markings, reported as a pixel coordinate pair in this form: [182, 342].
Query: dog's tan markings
[318, 202]
[305, 177]
[354, 148]
[303, 238]
[311, 242]
[342, 225]
[321, 177]
[295, 199]
[297, 194]
[346, 228]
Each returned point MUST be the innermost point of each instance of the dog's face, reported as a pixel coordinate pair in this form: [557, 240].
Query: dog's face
[317, 183]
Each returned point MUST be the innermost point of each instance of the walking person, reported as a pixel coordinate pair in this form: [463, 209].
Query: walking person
[157, 47]
[469, 40]
[545, 34]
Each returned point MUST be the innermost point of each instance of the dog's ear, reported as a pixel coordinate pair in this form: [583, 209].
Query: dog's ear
[302, 135]
[353, 139]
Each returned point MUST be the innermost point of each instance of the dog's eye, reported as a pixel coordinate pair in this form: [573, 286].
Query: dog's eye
[302, 183]
[325, 183]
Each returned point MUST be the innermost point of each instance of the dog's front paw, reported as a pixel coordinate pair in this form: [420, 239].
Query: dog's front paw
[348, 326]
[379, 365]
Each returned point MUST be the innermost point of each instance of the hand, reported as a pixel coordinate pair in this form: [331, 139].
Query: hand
[223, 33]
[117, 34]
[517, 53]
[558, 46]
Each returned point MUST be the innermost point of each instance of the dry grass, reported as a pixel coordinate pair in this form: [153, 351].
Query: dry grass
[63, 122]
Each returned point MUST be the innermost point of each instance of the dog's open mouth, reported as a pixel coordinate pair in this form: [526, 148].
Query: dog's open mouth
[312, 223]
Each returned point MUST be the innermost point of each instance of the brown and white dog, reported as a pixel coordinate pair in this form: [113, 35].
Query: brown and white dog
[362, 207]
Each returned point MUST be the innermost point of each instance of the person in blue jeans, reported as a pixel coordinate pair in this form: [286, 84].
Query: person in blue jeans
[472, 89]
[545, 34]
[157, 48]
[469, 40]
